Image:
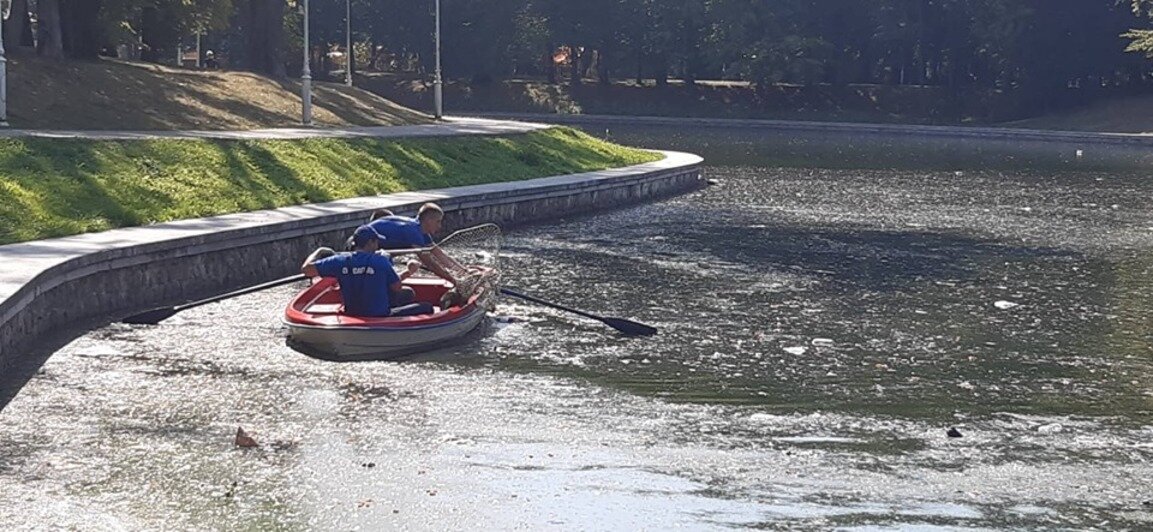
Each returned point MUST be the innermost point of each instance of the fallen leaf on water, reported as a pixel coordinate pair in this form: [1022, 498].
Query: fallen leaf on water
[244, 440]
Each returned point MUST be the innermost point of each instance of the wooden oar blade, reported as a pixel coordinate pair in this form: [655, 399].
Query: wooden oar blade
[151, 317]
[630, 328]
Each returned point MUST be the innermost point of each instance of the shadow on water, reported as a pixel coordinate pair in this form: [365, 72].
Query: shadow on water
[735, 147]
[860, 257]
[32, 358]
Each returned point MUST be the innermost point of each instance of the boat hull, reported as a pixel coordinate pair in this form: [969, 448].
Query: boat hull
[317, 328]
[347, 343]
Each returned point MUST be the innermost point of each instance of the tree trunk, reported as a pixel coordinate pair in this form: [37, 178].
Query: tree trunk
[80, 25]
[689, 75]
[550, 64]
[263, 23]
[151, 38]
[51, 42]
[603, 67]
[574, 58]
[662, 73]
[640, 68]
[18, 23]
[919, 61]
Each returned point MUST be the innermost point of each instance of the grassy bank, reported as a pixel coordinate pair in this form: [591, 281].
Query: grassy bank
[707, 99]
[53, 187]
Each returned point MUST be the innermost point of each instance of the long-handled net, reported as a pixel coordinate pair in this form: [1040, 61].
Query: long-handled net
[473, 259]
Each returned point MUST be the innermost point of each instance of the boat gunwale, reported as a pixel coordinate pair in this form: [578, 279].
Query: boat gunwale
[294, 316]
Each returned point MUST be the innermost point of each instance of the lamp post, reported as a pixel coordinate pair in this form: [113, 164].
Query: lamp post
[437, 94]
[306, 76]
[3, 72]
[348, 56]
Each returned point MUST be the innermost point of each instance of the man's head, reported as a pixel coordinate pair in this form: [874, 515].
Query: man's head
[431, 218]
[366, 239]
[378, 214]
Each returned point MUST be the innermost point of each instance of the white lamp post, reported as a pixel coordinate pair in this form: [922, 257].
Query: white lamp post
[348, 56]
[306, 76]
[3, 71]
[437, 94]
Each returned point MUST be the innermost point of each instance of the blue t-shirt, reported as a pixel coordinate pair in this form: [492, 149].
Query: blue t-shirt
[400, 232]
[364, 280]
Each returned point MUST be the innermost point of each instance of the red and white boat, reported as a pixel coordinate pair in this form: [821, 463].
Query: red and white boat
[318, 327]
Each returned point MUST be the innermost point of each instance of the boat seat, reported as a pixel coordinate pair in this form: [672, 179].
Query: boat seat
[321, 309]
[324, 308]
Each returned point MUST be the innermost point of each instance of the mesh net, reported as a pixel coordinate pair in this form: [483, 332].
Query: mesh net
[474, 260]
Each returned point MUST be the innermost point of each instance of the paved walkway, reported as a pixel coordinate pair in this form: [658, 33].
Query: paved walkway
[450, 127]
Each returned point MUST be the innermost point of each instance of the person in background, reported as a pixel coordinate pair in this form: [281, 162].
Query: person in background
[401, 232]
[378, 214]
[367, 279]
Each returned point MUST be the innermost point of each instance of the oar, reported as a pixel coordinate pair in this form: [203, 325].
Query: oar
[630, 328]
[157, 315]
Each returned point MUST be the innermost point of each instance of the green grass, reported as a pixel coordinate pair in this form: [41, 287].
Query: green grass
[58, 187]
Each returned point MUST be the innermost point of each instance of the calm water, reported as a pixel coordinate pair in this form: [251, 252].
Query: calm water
[821, 331]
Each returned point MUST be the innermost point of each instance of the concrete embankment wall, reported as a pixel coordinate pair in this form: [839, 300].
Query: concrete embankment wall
[53, 284]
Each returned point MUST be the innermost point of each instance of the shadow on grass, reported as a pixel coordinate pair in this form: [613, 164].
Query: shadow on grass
[262, 173]
[65, 187]
[110, 94]
[56, 187]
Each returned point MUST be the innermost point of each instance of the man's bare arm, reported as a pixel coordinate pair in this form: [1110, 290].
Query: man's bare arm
[431, 260]
[308, 267]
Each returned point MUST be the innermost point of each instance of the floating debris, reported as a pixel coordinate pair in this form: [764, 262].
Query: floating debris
[953, 432]
[244, 440]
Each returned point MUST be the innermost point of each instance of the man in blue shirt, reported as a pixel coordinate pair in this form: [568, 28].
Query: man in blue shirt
[366, 278]
[401, 232]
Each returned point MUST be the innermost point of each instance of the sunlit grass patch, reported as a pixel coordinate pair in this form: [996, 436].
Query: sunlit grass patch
[58, 187]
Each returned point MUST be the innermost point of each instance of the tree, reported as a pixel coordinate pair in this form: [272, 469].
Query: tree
[261, 22]
[80, 28]
[18, 27]
[1141, 40]
[50, 41]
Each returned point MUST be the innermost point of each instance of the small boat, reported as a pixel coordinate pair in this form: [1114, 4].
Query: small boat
[318, 327]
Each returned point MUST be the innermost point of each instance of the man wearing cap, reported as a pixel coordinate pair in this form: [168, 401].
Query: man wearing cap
[366, 278]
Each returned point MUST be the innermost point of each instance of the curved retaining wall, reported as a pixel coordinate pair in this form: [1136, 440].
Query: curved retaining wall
[51, 284]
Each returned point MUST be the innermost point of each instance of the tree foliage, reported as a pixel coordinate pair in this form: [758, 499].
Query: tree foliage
[1044, 50]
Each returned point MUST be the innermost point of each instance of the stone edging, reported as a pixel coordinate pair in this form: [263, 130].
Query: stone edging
[49, 284]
